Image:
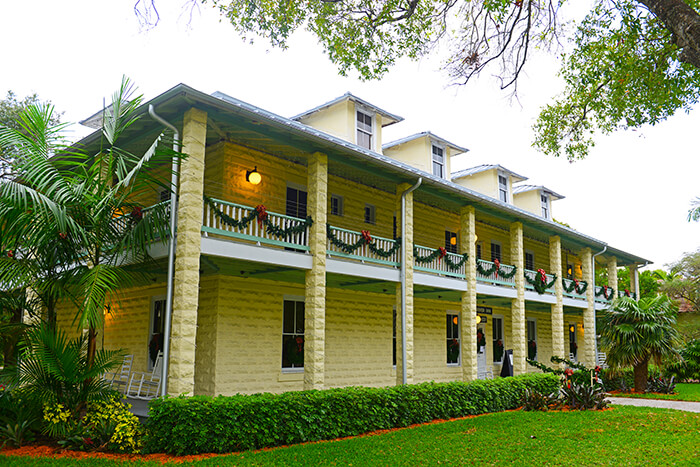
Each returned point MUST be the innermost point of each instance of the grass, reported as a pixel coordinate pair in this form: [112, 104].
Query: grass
[684, 392]
[622, 436]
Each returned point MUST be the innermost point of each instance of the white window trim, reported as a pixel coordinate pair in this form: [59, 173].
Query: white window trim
[341, 205]
[503, 338]
[444, 158]
[154, 299]
[533, 320]
[459, 339]
[293, 298]
[493, 242]
[394, 335]
[373, 116]
[546, 204]
[498, 182]
[373, 217]
[530, 252]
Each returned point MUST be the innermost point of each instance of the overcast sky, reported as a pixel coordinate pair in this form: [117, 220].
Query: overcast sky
[632, 192]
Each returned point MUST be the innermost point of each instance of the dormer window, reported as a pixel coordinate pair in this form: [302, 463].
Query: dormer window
[502, 188]
[544, 199]
[364, 129]
[438, 161]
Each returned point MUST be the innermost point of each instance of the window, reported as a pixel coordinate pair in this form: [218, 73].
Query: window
[164, 195]
[155, 335]
[478, 250]
[570, 271]
[531, 339]
[438, 161]
[573, 346]
[495, 251]
[296, 202]
[529, 260]
[336, 205]
[544, 199]
[293, 334]
[452, 339]
[395, 227]
[503, 188]
[451, 241]
[370, 216]
[364, 129]
[393, 347]
[498, 342]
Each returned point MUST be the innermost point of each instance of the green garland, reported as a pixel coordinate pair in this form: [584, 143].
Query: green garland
[575, 286]
[606, 292]
[540, 285]
[261, 215]
[495, 268]
[350, 248]
[451, 265]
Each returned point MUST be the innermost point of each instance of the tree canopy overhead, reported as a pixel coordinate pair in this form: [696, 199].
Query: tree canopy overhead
[630, 62]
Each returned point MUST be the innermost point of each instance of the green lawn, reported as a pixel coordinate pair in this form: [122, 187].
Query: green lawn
[622, 436]
[684, 392]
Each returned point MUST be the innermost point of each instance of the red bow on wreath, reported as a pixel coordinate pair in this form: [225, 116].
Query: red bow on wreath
[605, 289]
[443, 252]
[576, 282]
[497, 262]
[543, 275]
[367, 236]
[627, 292]
[262, 214]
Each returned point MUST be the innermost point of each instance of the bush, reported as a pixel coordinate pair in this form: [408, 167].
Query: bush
[19, 418]
[688, 369]
[623, 380]
[200, 424]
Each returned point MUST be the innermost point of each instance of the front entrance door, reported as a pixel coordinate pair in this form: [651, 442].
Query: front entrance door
[480, 352]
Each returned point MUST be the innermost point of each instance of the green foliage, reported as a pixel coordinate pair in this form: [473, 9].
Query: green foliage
[581, 388]
[115, 424]
[19, 418]
[537, 401]
[11, 110]
[623, 379]
[584, 396]
[683, 280]
[648, 281]
[688, 368]
[662, 385]
[192, 425]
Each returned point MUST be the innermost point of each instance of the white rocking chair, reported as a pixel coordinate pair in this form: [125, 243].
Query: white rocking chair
[119, 380]
[145, 385]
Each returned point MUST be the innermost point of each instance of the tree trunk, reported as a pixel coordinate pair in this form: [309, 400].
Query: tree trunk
[641, 375]
[92, 346]
[9, 350]
[683, 22]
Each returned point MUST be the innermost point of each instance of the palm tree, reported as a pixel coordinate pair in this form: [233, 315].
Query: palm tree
[71, 219]
[635, 332]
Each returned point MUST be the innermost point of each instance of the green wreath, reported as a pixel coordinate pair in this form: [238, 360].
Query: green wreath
[606, 292]
[351, 248]
[495, 267]
[451, 265]
[539, 282]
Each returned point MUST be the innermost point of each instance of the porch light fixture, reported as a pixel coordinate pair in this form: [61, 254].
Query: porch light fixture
[478, 319]
[455, 320]
[572, 328]
[253, 176]
[453, 240]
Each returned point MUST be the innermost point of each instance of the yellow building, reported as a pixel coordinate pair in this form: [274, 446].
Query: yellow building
[290, 272]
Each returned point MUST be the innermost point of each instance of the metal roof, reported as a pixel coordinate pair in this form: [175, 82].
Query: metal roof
[430, 135]
[524, 188]
[392, 118]
[485, 167]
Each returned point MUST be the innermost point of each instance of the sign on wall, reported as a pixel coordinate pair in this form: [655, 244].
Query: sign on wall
[484, 310]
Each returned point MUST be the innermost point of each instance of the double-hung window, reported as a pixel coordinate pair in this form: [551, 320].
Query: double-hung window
[495, 251]
[438, 161]
[529, 260]
[503, 188]
[544, 199]
[293, 334]
[296, 202]
[370, 214]
[364, 129]
[155, 337]
[453, 339]
[451, 241]
[336, 205]
[531, 339]
[499, 343]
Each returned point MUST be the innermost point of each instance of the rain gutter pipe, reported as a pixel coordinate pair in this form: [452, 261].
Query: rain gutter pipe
[171, 248]
[595, 330]
[403, 277]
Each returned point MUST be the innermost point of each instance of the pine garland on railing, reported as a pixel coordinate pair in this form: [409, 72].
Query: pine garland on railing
[606, 292]
[575, 285]
[539, 282]
[260, 213]
[495, 267]
[365, 239]
[439, 253]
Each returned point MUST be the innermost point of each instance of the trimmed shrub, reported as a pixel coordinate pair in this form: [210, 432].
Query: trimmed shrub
[201, 424]
[623, 380]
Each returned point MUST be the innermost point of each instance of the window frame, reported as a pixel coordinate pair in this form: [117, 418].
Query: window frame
[494, 337]
[545, 205]
[449, 247]
[532, 256]
[296, 300]
[341, 205]
[372, 214]
[449, 317]
[441, 164]
[373, 124]
[533, 322]
[151, 322]
[500, 251]
[503, 191]
[298, 188]
[479, 250]
[393, 340]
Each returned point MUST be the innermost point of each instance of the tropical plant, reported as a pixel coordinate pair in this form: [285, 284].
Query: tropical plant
[688, 368]
[54, 370]
[683, 280]
[635, 332]
[661, 385]
[77, 210]
[534, 400]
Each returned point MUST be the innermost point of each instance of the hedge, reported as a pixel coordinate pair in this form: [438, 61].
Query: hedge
[203, 424]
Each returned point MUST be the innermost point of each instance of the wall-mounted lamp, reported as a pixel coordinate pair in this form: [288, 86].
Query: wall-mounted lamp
[453, 240]
[478, 319]
[253, 176]
[476, 238]
[572, 328]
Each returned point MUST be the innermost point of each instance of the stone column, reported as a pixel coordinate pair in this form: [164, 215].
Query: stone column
[634, 279]
[588, 354]
[468, 304]
[315, 305]
[612, 274]
[519, 332]
[408, 297]
[558, 308]
[183, 334]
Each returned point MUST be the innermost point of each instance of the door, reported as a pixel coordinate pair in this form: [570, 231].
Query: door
[481, 351]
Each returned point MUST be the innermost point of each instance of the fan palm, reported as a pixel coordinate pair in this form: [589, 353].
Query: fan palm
[71, 221]
[635, 332]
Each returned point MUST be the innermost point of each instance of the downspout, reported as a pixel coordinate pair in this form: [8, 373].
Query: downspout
[403, 276]
[595, 330]
[171, 248]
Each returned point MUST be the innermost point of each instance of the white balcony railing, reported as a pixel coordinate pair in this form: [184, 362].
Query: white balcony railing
[449, 265]
[498, 275]
[352, 245]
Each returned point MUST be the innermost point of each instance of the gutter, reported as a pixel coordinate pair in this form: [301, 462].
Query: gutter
[174, 180]
[403, 277]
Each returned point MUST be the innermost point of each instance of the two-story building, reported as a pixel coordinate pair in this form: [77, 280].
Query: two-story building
[312, 254]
